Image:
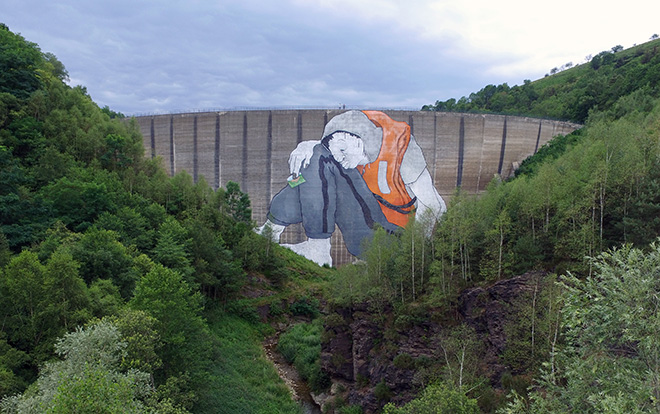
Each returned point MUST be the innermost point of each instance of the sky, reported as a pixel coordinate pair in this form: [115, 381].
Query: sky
[162, 56]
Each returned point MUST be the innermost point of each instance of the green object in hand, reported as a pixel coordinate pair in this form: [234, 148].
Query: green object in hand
[295, 180]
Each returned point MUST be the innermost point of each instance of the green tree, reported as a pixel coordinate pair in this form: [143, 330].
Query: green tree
[238, 203]
[165, 295]
[117, 153]
[39, 303]
[5, 253]
[67, 293]
[497, 258]
[104, 298]
[82, 195]
[133, 227]
[138, 330]
[15, 369]
[461, 351]
[23, 215]
[19, 60]
[173, 247]
[23, 297]
[378, 281]
[611, 358]
[87, 380]
[532, 333]
[457, 245]
[438, 398]
[216, 270]
[102, 256]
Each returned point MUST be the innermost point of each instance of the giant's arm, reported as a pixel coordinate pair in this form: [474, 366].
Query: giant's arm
[427, 196]
[300, 156]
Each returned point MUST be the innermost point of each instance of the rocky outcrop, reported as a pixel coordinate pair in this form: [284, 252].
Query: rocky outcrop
[379, 358]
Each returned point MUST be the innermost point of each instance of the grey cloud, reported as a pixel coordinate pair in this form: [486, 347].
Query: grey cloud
[161, 57]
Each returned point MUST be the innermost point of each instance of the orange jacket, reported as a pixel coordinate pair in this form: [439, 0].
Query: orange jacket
[397, 204]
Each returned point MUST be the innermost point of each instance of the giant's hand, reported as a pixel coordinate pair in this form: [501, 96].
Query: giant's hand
[300, 157]
[430, 204]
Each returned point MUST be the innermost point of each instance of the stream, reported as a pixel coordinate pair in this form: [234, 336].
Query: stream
[299, 389]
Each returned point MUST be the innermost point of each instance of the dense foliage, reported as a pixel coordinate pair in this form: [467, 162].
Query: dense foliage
[572, 92]
[437, 399]
[301, 346]
[101, 251]
[610, 362]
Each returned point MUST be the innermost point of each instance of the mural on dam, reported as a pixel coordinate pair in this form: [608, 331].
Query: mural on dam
[251, 148]
[366, 170]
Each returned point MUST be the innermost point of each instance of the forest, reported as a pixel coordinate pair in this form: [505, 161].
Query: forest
[123, 289]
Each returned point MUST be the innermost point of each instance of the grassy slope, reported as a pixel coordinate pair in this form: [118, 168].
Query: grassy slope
[243, 380]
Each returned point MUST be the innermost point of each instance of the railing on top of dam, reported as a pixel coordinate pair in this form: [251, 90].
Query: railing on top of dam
[333, 108]
[276, 108]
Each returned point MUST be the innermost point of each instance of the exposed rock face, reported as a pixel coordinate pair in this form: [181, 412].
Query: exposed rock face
[487, 310]
[380, 360]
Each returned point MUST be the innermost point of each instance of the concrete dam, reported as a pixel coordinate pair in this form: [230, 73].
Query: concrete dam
[252, 148]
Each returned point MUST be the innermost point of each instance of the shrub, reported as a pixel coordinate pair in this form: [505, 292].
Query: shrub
[333, 320]
[350, 409]
[276, 309]
[301, 346]
[404, 361]
[305, 306]
[438, 398]
[382, 392]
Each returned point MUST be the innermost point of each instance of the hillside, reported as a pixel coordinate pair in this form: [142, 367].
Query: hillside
[571, 92]
[121, 287]
[526, 293]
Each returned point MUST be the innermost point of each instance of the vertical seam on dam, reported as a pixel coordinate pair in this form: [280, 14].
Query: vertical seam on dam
[538, 137]
[412, 124]
[435, 143]
[299, 128]
[171, 145]
[244, 178]
[217, 152]
[461, 150]
[153, 139]
[195, 161]
[269, 155]
[499, 167]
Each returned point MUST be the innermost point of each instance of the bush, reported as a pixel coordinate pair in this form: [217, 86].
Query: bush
[276, 309]
[301, 346]
[382, 392]
[437, 399]
[333, 320]
[403, 322]
[244, 311]
[404, 361]
[305, 306]
[350, 409]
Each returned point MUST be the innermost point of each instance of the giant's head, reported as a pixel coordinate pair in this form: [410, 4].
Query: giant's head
[352, 139]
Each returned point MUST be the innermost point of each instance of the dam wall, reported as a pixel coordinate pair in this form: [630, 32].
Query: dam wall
[252, 149]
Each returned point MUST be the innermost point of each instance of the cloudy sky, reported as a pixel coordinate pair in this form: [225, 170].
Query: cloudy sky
[155, 56]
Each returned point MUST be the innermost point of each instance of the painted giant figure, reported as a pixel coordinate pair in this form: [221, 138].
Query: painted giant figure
[366, 170]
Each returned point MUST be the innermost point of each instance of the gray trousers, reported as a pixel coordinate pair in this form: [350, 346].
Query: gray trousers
[330, 195]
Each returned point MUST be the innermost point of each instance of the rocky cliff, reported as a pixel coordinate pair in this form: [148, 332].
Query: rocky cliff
[374, 357]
